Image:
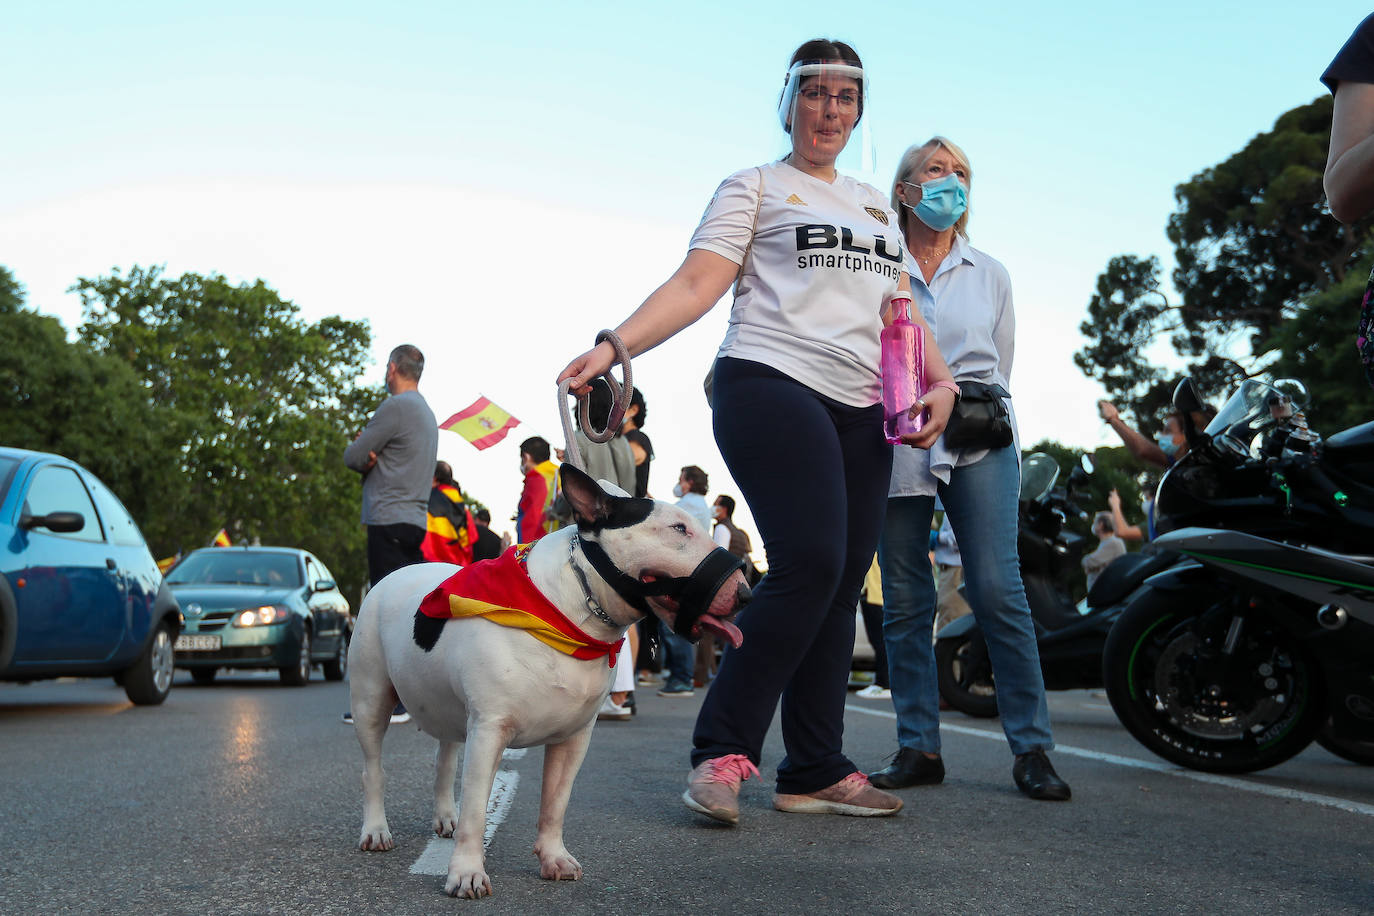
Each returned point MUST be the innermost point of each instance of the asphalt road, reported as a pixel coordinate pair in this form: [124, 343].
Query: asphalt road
[243, 797]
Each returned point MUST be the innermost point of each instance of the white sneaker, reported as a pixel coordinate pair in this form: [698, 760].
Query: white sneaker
[874, 692]
[400, 718]
[610, 709]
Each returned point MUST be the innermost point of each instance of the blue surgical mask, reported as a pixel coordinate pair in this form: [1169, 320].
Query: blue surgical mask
[943, 201]
[1166, 444]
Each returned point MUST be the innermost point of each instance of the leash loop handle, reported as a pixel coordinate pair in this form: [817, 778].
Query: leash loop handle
[621, 402]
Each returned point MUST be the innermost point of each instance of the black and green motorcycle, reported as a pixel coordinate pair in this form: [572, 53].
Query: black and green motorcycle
[1259, 638]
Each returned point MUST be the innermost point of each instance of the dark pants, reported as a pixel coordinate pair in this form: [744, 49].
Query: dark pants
[389, 547]
[815, 475]
[873, 629]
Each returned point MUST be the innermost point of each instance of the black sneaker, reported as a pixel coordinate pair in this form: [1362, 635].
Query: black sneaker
[677, 689]
[909, 768]
[1037, 779]
[348, 718]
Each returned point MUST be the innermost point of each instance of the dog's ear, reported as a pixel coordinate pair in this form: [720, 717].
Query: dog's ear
[591, 505]
[594, 508]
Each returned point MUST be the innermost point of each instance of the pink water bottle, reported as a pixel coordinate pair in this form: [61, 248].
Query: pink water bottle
[903, 370]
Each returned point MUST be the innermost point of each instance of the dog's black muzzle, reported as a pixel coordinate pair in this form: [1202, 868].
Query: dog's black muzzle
[692, 593]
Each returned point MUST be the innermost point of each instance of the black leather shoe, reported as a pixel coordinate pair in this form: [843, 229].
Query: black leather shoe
[1036, 778]
[909, 768]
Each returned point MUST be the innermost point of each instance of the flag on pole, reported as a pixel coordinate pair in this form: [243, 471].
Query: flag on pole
[167, 563]
[221, 539]
[482, 423]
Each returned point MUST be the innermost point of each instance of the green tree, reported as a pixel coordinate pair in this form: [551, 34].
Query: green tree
[1254, 248]
[58, 396]
[255, 405]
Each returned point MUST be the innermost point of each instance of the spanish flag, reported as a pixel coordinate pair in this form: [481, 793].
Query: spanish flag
[482, 423]
[501, 591]
[165, 564]
[221, 539]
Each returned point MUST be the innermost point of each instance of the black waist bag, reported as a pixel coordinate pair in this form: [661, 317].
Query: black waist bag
[980, 419]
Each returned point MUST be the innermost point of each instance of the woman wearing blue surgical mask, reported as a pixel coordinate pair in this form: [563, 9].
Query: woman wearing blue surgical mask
[965, 297]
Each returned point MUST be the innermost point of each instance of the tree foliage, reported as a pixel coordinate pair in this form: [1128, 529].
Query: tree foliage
[1255, 251]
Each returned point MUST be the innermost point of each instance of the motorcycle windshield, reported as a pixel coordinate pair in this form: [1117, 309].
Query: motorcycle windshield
[1038, 474]
[1255, 406]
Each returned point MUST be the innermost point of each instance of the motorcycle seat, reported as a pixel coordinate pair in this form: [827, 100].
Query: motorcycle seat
[1354, 446]
[1125, 573]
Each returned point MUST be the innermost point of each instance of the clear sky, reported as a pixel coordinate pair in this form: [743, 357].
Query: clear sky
[497, 182]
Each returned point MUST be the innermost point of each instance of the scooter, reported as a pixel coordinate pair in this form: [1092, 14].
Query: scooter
[1259, 638]
[1069, 639]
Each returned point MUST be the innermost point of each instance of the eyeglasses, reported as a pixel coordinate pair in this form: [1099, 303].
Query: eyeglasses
[816, 98]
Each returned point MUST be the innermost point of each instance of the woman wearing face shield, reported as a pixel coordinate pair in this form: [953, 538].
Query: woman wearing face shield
[814, 256]
[965, 296]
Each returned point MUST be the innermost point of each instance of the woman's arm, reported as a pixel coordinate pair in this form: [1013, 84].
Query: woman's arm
[1349, 179]
[1136, 443]
[687, 295]
[1124, 529]
[939, 400]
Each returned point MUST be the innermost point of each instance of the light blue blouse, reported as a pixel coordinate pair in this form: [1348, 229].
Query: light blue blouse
[967, 305]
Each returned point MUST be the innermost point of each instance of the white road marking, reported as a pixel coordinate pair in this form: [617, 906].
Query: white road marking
[1229, 782]
[434, 860]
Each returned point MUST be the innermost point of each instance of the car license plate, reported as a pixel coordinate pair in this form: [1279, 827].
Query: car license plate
[191, 643]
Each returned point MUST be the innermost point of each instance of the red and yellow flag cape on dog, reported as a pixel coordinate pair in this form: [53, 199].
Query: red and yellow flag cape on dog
[501, 591]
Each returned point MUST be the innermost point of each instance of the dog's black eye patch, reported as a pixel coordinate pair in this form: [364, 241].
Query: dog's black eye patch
[624, 512]
[428, 630]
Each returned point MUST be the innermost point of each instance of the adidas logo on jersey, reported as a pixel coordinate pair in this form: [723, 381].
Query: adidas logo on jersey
[794, 199]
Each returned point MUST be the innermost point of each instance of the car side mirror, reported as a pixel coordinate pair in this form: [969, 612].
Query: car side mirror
[323, 585]
[58, 522]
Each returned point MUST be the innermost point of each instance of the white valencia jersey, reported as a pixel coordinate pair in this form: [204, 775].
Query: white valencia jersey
[809, 302]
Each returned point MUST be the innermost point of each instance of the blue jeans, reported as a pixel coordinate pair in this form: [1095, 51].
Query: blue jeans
[981, 502]
[678, 658]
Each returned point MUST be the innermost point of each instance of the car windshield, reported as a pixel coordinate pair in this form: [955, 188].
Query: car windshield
[227, 566]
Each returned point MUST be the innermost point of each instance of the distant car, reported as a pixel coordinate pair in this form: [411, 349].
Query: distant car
[260, 607]
[79, 592]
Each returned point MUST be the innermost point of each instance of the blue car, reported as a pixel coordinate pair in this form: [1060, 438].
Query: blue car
[260, 607]
[80, 595]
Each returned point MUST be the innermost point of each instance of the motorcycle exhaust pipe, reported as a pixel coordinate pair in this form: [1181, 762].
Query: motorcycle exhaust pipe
[1332, 617]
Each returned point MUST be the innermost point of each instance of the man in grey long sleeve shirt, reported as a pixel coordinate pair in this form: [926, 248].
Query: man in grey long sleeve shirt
[395, 453]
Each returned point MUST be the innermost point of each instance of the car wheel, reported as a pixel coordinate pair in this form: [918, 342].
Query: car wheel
[204, 676]
[298, 675]
[148, 681]
[337, 667]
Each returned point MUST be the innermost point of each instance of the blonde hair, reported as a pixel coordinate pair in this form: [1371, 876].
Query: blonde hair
[915, 158]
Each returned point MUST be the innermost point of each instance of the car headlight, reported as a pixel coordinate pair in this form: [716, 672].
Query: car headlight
[263, 616]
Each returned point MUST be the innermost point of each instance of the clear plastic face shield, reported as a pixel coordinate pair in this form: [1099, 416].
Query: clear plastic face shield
[821, 112]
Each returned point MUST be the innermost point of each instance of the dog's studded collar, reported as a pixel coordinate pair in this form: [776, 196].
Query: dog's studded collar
[592, 604]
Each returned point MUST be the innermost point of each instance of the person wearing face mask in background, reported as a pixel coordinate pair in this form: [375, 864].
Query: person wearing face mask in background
[1167, 447]
[965, 298]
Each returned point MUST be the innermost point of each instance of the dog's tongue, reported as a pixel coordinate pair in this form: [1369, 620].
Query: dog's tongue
[724, 628]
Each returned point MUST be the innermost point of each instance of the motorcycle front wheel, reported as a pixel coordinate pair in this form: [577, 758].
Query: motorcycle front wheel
[964, 674]
[1206, 682]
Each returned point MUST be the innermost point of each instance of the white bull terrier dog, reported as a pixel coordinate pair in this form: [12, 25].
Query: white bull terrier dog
[469, 676]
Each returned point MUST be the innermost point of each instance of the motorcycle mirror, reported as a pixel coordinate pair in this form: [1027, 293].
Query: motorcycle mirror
[1086, 462]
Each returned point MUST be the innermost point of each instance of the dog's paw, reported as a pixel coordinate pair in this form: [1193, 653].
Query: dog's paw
[557, 864]
[376, 838]
[445, 821]
[467, 883]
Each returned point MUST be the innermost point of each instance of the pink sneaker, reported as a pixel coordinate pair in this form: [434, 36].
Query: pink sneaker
[852, 795]
[713, 786]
